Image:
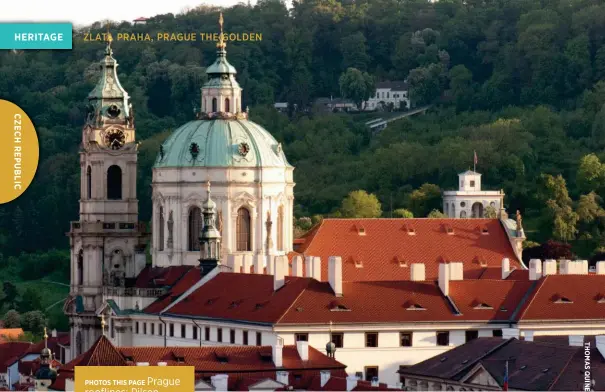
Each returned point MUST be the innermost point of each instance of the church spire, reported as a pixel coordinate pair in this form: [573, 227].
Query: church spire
[221, 95]
[210, 237]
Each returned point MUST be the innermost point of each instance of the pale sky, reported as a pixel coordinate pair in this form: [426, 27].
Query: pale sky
[85, 12]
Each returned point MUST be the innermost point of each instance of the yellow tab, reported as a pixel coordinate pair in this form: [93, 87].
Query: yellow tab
[134, 378]
[19, 151]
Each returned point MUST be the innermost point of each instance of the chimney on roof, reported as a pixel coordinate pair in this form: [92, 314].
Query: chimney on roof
[529, 336]
[576, 340]
[508, 333]
[505, 268]
[351, 382]
[324, 377]
[535, 269]
[246, 263]
[444, 278]
[549, 267]
[313, 267]
[600, 268]
[282, 377]
[417, 273]
[162, 363]
[279, 275]
[277, 352]
[297, 266]
[582, 267]
[564, 267]
[303, 350]
[456, 271]
[600, 344]
[259, 264]
[335, 274]
[270, 264]
[235, 263]
[142, 363]
[53, 333]
[219, 382]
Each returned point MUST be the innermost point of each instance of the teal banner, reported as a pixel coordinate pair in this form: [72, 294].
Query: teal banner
[35, 35]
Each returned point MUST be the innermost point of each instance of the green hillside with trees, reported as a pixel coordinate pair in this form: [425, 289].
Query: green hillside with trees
[521, 82]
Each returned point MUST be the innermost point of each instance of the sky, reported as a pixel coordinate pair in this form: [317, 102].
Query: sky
[88, 11]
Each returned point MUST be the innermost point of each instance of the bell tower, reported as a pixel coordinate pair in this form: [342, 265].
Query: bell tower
[107, 242]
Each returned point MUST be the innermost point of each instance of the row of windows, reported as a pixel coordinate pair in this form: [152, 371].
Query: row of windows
[114, 183]
[196, 333]
[215, 105]
[405, 337]
[243, 229]
[379, 95]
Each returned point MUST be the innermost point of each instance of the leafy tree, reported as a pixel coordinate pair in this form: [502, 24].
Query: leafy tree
[589, 208]
[564, 221]
[357, 86]
[30, 300]
[490, 212]
[354, 52]
[598, 128]
[436, 214]
[360, 204]
[591, 173]
[34, 322]
[12, 319]
[550, 250]
[425, 199]
[403, 213]
[11, 295]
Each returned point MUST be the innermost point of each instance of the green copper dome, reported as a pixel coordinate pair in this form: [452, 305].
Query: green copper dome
[221, 143]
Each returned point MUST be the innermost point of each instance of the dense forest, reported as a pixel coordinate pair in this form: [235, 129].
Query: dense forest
[521, 82]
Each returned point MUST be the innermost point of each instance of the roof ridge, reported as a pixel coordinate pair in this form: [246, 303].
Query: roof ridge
[522, 302]
[293, 302]
[489, 352]
[562, 370]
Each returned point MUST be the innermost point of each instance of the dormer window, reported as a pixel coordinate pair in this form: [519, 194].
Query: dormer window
[600, 299]
[484, 230]
[410, 305]
[472, 183]
[401, 261]
[358, 262]
[481, 306]
[409, 229]
[449, 229]
[336, 306]
[361, 230]
[559, 299]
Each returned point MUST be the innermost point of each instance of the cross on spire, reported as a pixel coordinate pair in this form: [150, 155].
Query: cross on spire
[221, 41]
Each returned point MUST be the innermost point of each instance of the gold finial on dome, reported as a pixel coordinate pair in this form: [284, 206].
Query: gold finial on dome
[45, 338]
[221, 41]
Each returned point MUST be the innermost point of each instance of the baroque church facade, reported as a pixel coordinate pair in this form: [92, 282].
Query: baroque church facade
[250, 213]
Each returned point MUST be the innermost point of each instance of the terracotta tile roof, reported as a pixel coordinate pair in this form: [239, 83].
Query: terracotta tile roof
[8, 334]
[548, 302]
[62, 338]
[228, 359]
[386, 241]
[191, 276]
[156, 277]
[537, 365]
[496, 273]
[101, 353]
[238, 296]
[11, 352]
[488, 299]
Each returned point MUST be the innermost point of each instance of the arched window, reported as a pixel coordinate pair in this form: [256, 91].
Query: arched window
[447, 212]
[453, 210]
[280, 228]
[227, 108]
[214, 105]
[80, 267]
[88, 182]
[236, 108]
[243, 230]
[462, 214]
[195, 226]
[161, 228]
[114, 183]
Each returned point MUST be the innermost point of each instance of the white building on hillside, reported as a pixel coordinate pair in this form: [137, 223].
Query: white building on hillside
[469, 201]
[389, 93]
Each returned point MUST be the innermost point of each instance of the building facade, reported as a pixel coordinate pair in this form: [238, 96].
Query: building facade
[470, 201]
[389, 95]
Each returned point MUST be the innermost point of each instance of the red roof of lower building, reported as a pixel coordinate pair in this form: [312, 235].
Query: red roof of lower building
[157, 277]
[566, 297]
[11, 352]
[382, 249]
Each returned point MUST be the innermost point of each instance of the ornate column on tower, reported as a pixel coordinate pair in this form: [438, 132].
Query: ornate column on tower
[210, 237]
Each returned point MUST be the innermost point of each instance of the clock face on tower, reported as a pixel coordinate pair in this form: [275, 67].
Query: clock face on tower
[114, 138]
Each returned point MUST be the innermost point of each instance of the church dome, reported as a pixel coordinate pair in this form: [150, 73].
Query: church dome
[221, 143]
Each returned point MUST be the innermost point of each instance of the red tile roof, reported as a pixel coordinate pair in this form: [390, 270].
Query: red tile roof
[31, 367]
[156, 277]
[11, 352]
[586, 293]
[62, 338]
[8, 334]
[191, 277]
[385, 241]
[488, 299]
[101, 353]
